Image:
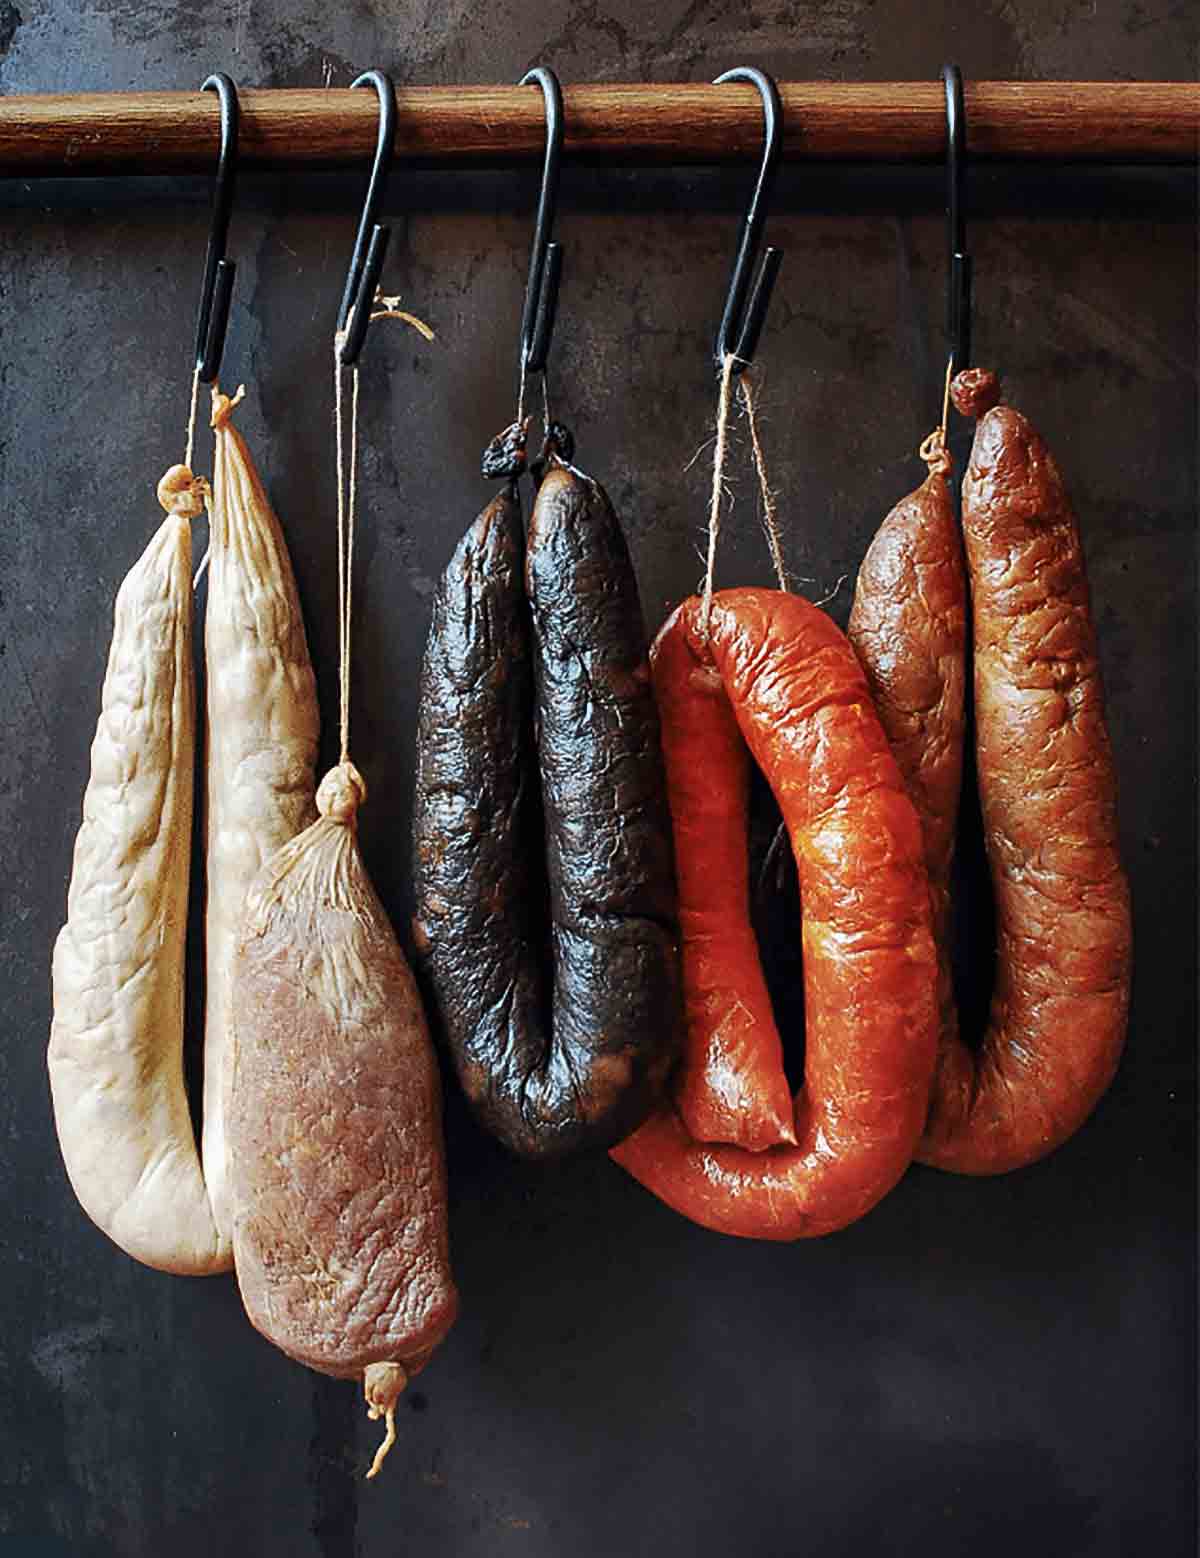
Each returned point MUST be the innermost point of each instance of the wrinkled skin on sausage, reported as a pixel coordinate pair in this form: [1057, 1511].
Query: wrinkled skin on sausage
[263, 726]
[337, 1167]
[116, 1043]
[1046, 778]
[539, 741]
[908, 628]
[780, 670]
[1048, 794]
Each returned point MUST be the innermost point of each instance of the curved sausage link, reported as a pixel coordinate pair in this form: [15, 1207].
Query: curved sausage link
[803, 709]
[555, 1071]
[1048, 793]
[908, 628]
[731, 1085]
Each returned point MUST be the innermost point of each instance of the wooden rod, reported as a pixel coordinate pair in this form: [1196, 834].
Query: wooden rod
[615, 124]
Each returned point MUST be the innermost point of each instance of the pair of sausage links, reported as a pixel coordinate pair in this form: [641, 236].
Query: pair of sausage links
[539, 741]
[776, 668]
[116, 1045]
[1047, 787]
[1049, 798]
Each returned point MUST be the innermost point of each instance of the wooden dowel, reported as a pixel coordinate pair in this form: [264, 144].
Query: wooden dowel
[619, 124]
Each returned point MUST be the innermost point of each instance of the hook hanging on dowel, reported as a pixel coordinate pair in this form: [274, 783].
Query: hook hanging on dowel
[742, 320]
[545, 262]
[216, 291]
[371, 241]
[958, 261]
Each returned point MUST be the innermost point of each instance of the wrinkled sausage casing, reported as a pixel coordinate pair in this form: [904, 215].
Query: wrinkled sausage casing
[1048, 794]
[116, 1043]
[337, 1167]
[263, 726]
[476, 816]
[801, 705]
[908, 628]
[547, 679]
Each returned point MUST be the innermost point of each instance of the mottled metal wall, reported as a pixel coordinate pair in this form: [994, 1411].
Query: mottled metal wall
[978, 1366]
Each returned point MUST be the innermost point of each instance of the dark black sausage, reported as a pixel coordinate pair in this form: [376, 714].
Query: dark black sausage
[550, 1065]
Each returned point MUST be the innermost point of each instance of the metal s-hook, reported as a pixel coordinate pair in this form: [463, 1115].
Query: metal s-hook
[371, 240]
[545, 262]
[216, 291]
[958, 261]
[742, 320]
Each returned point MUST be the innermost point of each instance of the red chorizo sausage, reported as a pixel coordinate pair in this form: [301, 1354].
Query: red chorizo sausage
[1048, 793]
[791, 683]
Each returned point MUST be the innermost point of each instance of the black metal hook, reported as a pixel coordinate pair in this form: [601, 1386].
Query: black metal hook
[747, 325]
[545, 262]
[216, 291]
[371, 241]
[958, 264]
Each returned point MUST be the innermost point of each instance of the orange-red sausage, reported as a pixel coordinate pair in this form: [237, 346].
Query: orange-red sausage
[780, 671]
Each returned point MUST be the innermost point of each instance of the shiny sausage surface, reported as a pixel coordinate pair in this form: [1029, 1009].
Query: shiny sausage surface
[793, 687]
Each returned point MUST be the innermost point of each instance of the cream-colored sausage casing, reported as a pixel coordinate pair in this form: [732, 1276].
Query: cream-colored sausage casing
[116, 1041]
[263, 727]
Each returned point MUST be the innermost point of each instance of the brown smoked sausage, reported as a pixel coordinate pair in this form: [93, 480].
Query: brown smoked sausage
[1047, 790]
[908, 627]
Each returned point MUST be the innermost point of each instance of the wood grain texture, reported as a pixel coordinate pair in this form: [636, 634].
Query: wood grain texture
[625, 123]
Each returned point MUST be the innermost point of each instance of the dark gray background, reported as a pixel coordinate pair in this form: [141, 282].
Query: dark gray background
[981, 1366]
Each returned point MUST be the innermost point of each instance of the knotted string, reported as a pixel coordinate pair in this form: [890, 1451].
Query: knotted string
[933, 449]
[189, 450]
[720, 447]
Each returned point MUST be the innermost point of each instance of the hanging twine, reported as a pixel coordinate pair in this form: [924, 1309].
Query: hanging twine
[769, 520]
[188, 450]
[520, 417]
[346, 503]
[724, 400]
[746, 395]
[347, 497]
[933, 449]
[189, 447]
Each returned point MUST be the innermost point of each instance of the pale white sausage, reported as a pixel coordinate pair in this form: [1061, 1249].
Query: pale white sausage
[263, 727]
[116, 1042]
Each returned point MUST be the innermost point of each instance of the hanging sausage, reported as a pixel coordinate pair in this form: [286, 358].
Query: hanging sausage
[337, 1166]
[764, 676]
[116, 1042]
[540, 776]
[1048, 792]
[1043, 760]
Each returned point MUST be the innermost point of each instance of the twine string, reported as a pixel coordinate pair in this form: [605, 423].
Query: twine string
[345, 527]
[934, 449]
[769, 516]
[190, 446]
[724, 401]
[347, 496]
